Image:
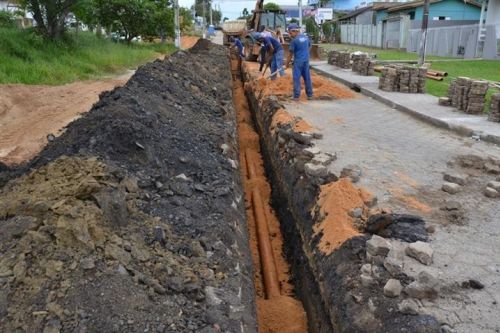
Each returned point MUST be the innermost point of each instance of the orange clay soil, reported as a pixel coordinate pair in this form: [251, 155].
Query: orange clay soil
[283, 117]
[28, 113]
[283, 86]
[283, 313]
[188, 41]
[335, 202]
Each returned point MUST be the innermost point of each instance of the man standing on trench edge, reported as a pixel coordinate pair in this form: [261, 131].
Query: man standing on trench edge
[299, 49]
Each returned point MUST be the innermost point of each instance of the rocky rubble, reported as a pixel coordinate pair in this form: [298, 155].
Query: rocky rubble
[132, 220]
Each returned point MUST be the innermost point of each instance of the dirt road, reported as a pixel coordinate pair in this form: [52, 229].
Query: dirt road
[29, 113]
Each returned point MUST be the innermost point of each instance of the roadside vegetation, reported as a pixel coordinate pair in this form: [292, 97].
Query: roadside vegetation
[119, 35]
[30, 58]
[476, 69]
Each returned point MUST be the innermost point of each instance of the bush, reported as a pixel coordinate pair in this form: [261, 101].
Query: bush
[7, 19]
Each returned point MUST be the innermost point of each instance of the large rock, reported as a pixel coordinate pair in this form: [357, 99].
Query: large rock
[426, 286]
[456, 178]
[420, 251]
[392, 288]
[378, 246]
[491, 192]
[315, 170]
[494, 185]
[451, 188]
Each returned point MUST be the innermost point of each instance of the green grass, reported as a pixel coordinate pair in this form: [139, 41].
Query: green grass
[476, 69]
[30, 59]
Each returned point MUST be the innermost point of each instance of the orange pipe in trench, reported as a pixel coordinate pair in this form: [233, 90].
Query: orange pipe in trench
[269, 271]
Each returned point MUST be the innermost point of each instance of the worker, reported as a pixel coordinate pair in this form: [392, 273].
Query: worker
[299, 50]
[239, 45]
[276, 54]
[264, 33]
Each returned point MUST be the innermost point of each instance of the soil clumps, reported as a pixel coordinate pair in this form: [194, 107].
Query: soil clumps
[128, 221]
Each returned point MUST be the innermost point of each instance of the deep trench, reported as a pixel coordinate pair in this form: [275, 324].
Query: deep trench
[305, 287]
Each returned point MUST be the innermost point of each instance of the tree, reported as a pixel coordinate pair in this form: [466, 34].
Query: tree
[50, 15]
[271, 6]
[245, 15]
[161, 22]
[187, 18]
[130, 18]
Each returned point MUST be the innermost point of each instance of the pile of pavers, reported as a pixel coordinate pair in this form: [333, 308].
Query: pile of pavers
[406, 79]
[466, 94]
[495, 108]
[340, 59]
[362, 64]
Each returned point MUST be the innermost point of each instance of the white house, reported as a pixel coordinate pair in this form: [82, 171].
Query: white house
[13, 6]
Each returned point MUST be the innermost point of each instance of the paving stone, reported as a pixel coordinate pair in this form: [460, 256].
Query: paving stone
[408, 306]
[492, 168]
[311, 151]
[451, 188]
[322, 159]
[352, 171]
[425, 287]
[378, 246]
[392, 288]
[456, 178]
[491, 192]
[315, 170]
[494, 185]
[367, 280]
[366, 269]
[393, 265]
[421, 251]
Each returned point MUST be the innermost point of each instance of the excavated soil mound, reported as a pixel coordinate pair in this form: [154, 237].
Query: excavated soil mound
[127, 222]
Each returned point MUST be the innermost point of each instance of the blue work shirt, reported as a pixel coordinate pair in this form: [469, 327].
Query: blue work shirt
[271, 41]
[239, 45]
[299, 47]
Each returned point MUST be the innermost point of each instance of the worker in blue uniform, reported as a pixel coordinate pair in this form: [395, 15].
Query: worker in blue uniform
[299, 50]
[277, 54]
[239, 46]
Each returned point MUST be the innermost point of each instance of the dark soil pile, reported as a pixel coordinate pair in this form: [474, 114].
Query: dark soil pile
[141, 228]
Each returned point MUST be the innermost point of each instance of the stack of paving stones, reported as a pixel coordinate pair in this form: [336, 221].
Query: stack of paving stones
[405, 79]
[495, 108]
[362, 64]
[467, 94]
[340, 59]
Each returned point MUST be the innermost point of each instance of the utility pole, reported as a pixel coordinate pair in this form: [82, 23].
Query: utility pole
[177, 24]
[211, 21]
[423, 40]
[204, 20]
[300, 15]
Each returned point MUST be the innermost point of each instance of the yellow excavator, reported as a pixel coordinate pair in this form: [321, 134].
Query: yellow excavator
[273, 21]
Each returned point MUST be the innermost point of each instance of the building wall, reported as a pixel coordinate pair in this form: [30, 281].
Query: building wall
[454, 9]
[493, 16]
[365, 17]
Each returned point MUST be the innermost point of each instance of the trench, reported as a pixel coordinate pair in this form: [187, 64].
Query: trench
[287, 297]
[278, 310]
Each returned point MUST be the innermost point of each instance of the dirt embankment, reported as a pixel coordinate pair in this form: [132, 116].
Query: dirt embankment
[133, 219]
[29, 113]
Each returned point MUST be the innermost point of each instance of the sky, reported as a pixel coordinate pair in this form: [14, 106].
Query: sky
[232, 8]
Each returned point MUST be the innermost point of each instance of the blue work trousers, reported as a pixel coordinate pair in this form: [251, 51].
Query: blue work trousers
[277, 62]
[301, 69]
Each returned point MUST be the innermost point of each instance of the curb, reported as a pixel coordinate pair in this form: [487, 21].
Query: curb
[461, 130]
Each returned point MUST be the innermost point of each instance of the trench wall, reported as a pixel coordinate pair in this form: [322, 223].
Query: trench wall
[328, 285]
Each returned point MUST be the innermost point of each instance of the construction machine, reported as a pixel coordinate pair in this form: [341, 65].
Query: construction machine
[273, 21]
